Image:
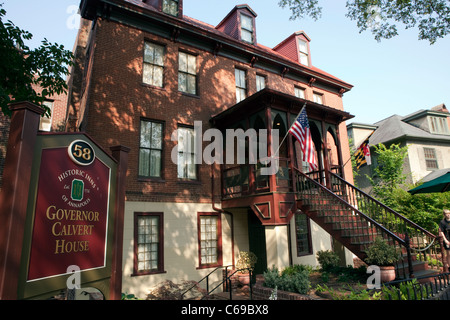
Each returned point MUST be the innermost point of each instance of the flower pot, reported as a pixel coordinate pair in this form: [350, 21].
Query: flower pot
[244, 278]
[387, 273]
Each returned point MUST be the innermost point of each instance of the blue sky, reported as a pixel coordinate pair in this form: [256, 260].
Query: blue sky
[396, 76]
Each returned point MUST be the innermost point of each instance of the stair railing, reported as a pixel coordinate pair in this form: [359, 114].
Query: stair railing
[226, 280]
[423, 244]
[344, 214]
[206, 279]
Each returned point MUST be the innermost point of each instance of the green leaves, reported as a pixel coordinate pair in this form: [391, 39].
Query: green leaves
[302, 8]
[388, 175]
[382, 17]
[24, 70]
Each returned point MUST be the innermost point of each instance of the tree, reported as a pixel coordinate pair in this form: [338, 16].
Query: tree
[22, 68]
[432, 17]
[388, 175]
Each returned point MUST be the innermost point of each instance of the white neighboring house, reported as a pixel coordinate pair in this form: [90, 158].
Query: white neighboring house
[425, 132]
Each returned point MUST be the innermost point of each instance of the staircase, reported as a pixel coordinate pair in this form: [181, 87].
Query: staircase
[355, 219]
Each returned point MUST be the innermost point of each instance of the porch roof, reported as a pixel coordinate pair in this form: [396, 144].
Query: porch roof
[278, 100]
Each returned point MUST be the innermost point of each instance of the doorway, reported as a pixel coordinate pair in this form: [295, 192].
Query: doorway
[257, 242]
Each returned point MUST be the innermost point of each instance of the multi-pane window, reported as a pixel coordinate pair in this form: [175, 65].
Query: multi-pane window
[302, 233]
[153, 64]
[299, 92]
[209, 239]
[303, 52]
[150, 149]
[148, 243]
[246, 28]
[241, 85]
[430, 158]
[186, 153]
[170, 7]
[187, 73]
[318, 98]
[260, 82]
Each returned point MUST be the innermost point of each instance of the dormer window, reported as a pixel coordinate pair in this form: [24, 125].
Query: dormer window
[303, 52]
[438, 125]
[170, 7]
[246, 28]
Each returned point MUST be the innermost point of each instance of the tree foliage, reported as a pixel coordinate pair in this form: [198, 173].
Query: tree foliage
[382, 17]
[388, 183]
[388, 175]
[21, 67]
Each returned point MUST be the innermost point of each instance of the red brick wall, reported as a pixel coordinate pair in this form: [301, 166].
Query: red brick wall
[118, 99]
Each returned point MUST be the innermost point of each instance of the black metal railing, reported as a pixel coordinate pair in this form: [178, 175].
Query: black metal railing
[248, 179]
[423, 245]
[436, 287]
[226, 280]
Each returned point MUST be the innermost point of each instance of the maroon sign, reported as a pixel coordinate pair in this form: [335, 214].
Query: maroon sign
[71, 213]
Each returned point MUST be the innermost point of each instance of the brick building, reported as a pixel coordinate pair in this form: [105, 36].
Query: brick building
[146, 77]
[57, 122]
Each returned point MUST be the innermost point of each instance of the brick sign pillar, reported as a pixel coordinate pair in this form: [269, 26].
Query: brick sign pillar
[61, 209]
[13, 197]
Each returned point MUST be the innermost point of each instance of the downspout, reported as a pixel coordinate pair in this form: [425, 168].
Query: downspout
[222, 212]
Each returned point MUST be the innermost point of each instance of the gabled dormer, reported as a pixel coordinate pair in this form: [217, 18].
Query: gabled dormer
[170, 7]
[296, 47]
[435, 121]
[240, 24]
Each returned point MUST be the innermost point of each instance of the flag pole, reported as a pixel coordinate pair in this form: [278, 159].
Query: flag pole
[279, 146]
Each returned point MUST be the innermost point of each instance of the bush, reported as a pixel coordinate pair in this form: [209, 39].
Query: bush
[292, 279]
[327, 259]
[381, 253]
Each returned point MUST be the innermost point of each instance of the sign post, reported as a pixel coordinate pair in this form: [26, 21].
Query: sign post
[71, 217]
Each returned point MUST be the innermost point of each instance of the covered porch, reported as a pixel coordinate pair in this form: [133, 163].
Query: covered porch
[271, 197]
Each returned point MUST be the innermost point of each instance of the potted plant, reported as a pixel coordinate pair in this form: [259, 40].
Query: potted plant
[383, 255]
[246, 261]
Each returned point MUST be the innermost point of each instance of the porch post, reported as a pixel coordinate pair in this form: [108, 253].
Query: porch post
[326, 164]
[272, 177]
[339, 149]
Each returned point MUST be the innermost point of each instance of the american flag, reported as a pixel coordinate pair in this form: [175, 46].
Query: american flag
[301, 131]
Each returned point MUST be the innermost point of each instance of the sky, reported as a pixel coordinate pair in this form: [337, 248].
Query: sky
[396, 76]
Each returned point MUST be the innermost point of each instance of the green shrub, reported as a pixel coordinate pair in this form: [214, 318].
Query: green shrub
[327, 259]
[292, 279]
